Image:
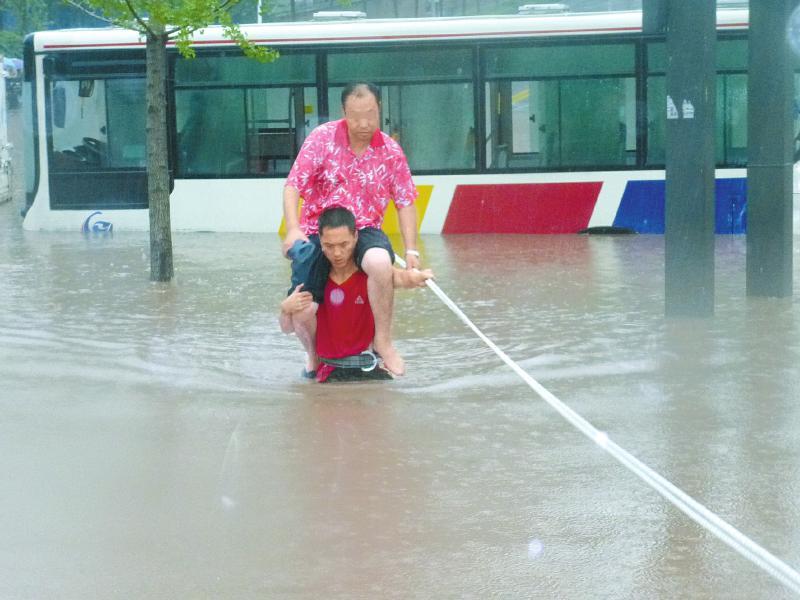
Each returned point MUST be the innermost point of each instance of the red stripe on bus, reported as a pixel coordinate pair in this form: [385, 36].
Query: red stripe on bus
[115, 45]
[522, 208]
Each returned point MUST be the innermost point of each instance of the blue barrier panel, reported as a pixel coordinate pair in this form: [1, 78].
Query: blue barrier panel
[642, 206]
[731, 209]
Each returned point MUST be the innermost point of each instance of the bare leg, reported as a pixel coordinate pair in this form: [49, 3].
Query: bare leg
[380, 287]
[286, 323]
[304, 324]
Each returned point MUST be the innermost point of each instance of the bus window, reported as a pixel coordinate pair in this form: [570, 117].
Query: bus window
[427, 101]
[797, 124]
[656, 120]
[428, 140]
[550, 106]
[73, 119]
[59, 106]
[210, 126]
[731, 104]
[731, 142]
[96, 130]
[236, 117]
[97, 124]
[278, 120]
[730, 137]
[30, 148]
[126, 130]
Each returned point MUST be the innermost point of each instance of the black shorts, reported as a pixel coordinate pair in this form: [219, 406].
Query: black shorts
[311, 268]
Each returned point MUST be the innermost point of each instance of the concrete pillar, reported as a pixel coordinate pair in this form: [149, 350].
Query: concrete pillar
[690, 106]
[654, 16]
[770, 91]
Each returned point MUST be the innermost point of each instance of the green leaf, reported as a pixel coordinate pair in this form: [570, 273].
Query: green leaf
[182, 18]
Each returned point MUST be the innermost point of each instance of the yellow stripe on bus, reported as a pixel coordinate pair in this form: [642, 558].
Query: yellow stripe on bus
[390, 223]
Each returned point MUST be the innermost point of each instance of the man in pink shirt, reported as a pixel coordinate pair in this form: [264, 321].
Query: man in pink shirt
[350, 163]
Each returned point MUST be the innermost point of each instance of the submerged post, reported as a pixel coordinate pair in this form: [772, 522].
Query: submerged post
[654, 16]
[770, 134]
[689, 211]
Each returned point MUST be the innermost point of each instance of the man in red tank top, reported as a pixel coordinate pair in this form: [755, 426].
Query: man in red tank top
[345, 323]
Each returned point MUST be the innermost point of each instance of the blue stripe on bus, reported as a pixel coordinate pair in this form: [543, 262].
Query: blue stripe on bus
[642, 206]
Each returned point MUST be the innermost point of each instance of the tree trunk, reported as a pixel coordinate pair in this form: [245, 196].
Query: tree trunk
[157, 162]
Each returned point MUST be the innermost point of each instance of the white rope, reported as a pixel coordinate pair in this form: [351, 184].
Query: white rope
[691, 507]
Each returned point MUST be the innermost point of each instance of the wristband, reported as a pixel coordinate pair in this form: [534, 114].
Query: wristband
[412, 253]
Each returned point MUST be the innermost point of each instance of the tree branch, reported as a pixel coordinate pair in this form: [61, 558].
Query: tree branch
[190, 29]
[220, 9]
[89, 12]
[139, 19]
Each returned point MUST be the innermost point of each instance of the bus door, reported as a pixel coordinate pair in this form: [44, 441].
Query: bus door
[520, 121]
[96, 132]
[278, 120]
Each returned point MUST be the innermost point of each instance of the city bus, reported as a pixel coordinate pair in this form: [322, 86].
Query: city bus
[549, 123]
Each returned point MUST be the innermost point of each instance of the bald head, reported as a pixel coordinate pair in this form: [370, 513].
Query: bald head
[361, 89]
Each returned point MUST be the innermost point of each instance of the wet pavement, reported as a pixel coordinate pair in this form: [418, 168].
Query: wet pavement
[156, 441]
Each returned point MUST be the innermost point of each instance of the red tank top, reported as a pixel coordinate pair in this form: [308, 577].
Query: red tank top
[345, 325]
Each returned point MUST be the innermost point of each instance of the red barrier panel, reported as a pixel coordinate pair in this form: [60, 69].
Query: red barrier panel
[522, 208]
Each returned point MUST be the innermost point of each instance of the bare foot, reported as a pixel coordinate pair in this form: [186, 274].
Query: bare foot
[312, 362]
[392, 361]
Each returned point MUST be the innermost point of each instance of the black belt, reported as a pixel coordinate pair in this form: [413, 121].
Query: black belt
[366, 361]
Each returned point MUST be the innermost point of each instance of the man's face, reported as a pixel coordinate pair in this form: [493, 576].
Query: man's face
[338, 245]
[363, 116]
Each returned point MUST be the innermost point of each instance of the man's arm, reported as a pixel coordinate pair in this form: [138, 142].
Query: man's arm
[291, 198]
[407, 217]
[410, 278]
[293, 303]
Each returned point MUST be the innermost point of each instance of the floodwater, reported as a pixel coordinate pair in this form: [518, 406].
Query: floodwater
[156, 441]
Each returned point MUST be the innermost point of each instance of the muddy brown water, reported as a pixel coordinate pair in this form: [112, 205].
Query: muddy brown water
[156, 441]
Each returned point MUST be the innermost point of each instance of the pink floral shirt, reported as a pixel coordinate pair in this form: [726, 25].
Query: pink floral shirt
[327, 173]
